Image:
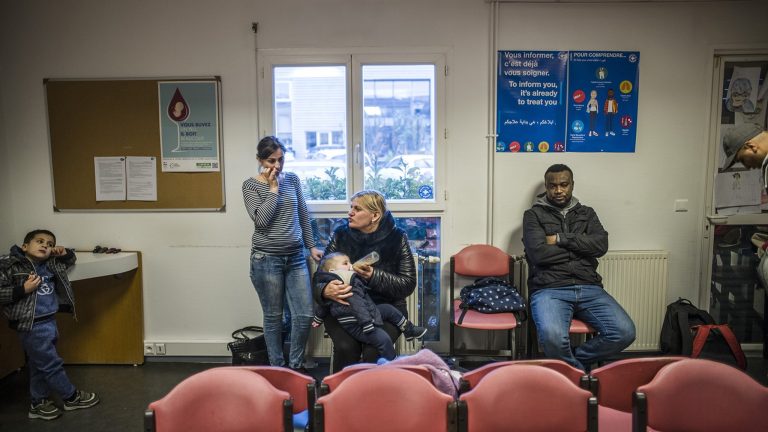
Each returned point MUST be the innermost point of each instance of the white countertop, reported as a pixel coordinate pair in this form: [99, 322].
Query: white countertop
[90, 265]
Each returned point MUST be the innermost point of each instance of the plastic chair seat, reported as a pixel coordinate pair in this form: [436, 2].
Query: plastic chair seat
[580, 327]
[484, 321]
[613, 420]
[576, 376]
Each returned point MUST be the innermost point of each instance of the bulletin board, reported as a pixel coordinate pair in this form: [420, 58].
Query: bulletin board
[107, 118]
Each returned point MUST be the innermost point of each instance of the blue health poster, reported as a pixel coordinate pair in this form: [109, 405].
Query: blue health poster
[531, 103]
[602, 112]
[576, 101]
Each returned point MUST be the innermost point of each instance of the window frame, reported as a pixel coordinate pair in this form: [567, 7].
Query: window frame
[354, 62]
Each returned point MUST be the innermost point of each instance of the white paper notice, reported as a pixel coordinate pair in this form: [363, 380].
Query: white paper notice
[142, 178]
[738, 188]
[110, 178]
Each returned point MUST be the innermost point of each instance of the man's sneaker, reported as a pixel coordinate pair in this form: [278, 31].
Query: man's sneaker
[45, 410]
[414, 332]
[83, 399]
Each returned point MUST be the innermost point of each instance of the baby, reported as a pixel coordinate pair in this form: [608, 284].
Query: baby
[362, 318]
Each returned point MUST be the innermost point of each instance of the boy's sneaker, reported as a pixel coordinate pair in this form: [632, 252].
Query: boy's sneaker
[45, 410]
[414, 332]
[82, 399]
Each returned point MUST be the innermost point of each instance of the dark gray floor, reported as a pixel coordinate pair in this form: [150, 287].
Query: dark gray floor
[126, 391]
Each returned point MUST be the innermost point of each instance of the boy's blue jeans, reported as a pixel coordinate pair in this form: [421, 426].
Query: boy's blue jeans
[46, 368]
[553, 309]
[279, 280]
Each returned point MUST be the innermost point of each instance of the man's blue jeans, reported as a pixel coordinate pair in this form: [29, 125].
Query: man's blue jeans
[46, 368]
[553, 309]
[279, 280]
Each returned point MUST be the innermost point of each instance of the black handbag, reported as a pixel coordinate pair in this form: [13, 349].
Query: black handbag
[248, 347]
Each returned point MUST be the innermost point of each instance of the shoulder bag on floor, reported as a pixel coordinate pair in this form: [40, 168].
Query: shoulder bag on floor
[248, 347]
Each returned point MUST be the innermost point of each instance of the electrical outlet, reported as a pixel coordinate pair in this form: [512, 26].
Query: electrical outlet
[149, 349]
[160, 349]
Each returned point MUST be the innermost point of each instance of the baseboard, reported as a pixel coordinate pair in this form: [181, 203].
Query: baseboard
[206, 348]
[316, 347]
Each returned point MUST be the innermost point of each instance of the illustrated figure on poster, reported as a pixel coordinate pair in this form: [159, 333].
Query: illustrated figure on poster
[178, 111]
[610, 108]
[602, 73]
[738, 96]
[592, 108]
[760, 114]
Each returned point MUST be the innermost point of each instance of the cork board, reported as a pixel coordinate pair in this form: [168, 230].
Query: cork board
[102, 118]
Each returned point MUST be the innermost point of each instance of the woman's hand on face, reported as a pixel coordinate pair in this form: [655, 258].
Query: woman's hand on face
[316, 254]
[365, 271]
[337, 291]
[271, 175]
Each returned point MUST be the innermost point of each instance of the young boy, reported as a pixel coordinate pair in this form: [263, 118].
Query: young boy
[33, 287]
[363, 318]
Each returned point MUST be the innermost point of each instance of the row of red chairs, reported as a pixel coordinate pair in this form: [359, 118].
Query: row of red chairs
[656, 394]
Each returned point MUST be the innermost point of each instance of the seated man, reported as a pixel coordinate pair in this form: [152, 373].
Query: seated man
[563, 240]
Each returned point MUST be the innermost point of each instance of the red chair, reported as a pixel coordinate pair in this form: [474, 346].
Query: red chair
[330, 382]
[614, 384]
[478, 261]
[222, 399]
[696, 395]
[299, 386]
[527, 398]
[576, 376]
[384, 399]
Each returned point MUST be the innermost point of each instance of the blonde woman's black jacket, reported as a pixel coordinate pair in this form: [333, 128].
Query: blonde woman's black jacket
[19, 307]
[394, 276]
[573, 260]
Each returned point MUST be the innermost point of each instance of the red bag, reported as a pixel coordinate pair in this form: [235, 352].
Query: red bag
[717, 342]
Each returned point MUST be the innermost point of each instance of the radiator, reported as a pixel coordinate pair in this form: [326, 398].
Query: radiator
[638, 281]
[319, 344]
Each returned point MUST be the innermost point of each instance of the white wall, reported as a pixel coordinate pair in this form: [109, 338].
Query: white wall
[634, 193]
[196, 285]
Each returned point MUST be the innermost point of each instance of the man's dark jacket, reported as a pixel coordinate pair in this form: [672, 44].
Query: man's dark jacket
[573, 260]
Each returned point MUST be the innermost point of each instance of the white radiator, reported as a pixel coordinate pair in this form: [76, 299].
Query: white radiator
[638, 281]
[319, 344]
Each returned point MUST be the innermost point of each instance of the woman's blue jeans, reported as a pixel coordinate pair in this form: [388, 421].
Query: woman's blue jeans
[281, 280]
[553, 309]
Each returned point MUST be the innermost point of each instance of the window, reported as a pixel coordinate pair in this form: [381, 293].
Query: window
[364, 122]
[282, 91]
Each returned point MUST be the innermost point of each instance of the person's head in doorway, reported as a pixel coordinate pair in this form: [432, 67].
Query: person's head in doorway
[745, 143]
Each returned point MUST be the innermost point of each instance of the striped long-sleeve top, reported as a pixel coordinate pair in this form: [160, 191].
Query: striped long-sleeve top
[281, 220]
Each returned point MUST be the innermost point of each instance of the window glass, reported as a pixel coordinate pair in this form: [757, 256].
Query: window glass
[424, 238]
[398, 132]
[309, 103]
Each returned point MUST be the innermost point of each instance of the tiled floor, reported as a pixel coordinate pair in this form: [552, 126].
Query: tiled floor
[126, 391]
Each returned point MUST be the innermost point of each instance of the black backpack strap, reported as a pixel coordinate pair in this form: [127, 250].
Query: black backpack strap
[463, 312]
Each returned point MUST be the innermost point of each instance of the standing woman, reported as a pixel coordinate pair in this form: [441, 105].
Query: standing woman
[281, 234]
[370, 228]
